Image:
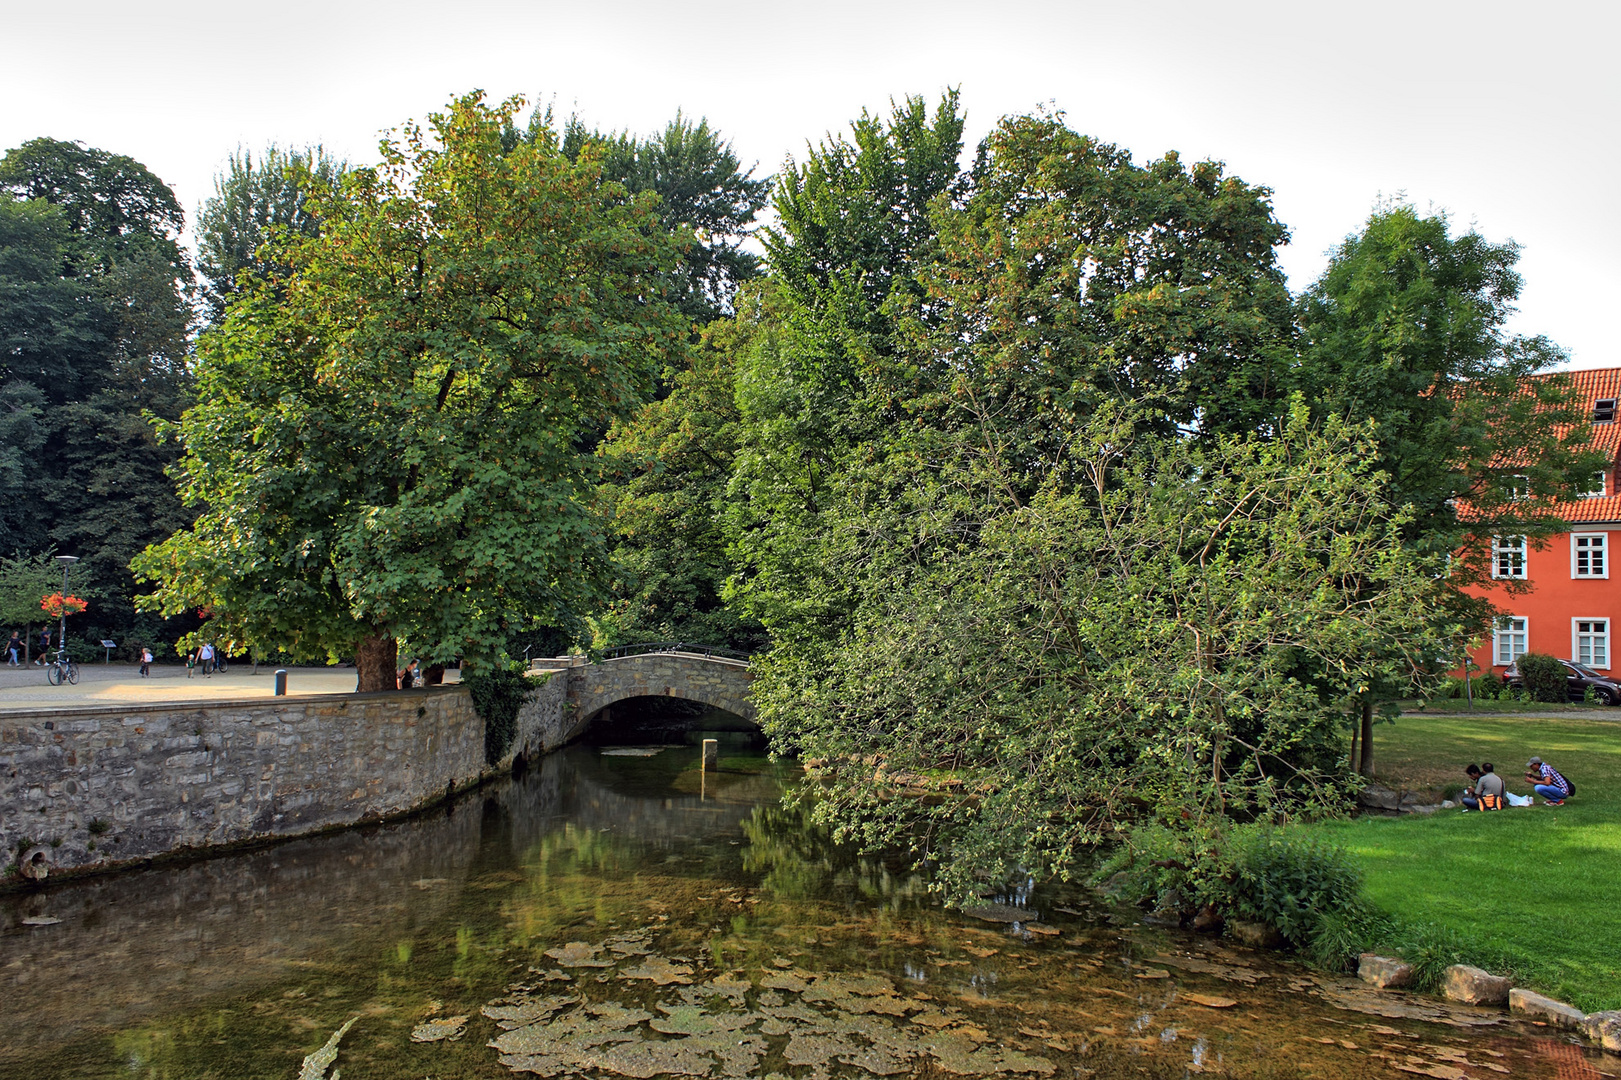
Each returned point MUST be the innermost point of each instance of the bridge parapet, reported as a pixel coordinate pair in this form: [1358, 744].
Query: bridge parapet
[678, 671]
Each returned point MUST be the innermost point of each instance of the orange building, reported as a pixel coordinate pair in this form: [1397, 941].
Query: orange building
[1575, 597]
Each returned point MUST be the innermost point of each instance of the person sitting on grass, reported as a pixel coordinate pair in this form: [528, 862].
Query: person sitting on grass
[1485, 791]
[1553, 788]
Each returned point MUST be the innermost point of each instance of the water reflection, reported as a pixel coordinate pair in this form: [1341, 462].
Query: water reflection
[597, 875]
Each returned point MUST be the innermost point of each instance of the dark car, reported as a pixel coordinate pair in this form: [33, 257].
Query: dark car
[1578, 678]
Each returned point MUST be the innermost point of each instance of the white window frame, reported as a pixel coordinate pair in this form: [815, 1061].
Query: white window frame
[1508, 545]
[1600, 480]
[1598, 641]
[1603, 550]
[1503, 633]
[1519, 486]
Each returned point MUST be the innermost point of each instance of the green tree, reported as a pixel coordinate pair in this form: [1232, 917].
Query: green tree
[668, 471]
[24, 581]
[706, 197]
[95, 322]
[816, 392]
[252, 199]
[385, 439]
[1028, 676]
[1406, 329]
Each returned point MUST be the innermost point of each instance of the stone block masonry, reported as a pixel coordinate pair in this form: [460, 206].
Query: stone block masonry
[100, 786]
[96, 787]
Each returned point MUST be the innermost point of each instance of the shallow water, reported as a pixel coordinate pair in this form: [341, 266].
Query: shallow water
[617, 914]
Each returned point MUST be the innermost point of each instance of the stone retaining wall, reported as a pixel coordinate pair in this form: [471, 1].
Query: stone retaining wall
[94, 787]
[101, 786]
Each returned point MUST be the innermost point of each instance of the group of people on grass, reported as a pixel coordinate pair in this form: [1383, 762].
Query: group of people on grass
[1488, 791]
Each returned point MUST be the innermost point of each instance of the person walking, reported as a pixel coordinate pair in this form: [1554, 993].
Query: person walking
[146, 662]
[205, 659]
[1547, 782]
[44, 646]
[14, 650]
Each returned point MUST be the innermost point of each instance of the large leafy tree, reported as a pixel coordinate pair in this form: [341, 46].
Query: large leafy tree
[706, 198]
[385, 439]
[816, 392]
[253, 199]
[95, 318]
[668, 474]
[1406, 330]
[1029, 674]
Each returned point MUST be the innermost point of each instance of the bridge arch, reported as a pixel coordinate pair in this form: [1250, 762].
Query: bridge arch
[716, 681]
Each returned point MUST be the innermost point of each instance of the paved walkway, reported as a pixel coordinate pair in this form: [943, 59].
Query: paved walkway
[121, 684]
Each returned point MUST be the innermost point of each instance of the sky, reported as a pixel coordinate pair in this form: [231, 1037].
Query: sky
[1503, 116]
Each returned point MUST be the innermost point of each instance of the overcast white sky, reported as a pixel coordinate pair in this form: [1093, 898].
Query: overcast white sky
[1503, 115]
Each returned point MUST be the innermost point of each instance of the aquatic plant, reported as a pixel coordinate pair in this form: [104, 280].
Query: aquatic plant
[316, 1065]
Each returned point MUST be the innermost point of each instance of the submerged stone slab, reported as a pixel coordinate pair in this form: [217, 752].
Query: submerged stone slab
[1472, 986]
[1553, 1013]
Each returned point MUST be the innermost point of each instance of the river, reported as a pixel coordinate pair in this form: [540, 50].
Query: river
[617, 912]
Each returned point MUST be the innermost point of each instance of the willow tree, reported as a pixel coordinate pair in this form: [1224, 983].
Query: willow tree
[386, 442]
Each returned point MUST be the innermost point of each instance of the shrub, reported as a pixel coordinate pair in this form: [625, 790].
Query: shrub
[497, 697]
[1288, 880]
[1543, 677]
[1451, 687]
[1341, 937]
[1258, 873]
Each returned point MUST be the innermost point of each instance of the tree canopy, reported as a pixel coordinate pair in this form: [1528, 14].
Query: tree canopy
[95, 318]
[384, 443]
[252, 200]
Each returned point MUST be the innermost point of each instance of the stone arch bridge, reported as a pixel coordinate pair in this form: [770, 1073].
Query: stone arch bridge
[572, 691]
[692, 673]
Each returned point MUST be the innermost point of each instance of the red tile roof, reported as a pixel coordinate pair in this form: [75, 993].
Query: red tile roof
[1593, 385]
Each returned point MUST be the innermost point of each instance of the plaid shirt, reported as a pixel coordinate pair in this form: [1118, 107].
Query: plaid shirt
[1550, 775]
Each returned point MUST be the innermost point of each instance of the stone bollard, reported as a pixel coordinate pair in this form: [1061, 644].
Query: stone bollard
[711, 755]
[281, 682]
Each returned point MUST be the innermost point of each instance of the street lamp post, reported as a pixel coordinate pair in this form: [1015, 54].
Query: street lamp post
[62, 624]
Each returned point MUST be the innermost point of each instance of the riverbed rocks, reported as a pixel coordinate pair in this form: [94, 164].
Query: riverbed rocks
[1604, 1028]
[1555, 1014]
[1385, 972]
[1472, 986]
[1257, 935]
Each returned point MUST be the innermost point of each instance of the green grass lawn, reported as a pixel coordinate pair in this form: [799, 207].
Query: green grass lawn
[1539, 888]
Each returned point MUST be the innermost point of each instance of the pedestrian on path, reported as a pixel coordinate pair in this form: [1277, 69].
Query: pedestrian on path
[14, 650]
[205, 657]
[146, 662]
[44, 645]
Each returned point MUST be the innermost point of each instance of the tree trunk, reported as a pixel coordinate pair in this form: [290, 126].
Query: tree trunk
[374, 664]
[433, 675]
[1366, 766]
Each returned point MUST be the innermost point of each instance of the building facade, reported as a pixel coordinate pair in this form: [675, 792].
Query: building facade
[1574, 597]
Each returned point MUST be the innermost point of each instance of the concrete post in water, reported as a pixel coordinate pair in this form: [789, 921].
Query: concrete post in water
[281, 682]
[711, 755]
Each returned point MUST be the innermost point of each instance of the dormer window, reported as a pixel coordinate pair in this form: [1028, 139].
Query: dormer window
[1604, 411]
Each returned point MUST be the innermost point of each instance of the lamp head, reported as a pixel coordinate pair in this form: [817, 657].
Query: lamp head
[67, 560]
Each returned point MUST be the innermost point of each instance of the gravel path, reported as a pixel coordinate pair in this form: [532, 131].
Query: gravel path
[25, 688]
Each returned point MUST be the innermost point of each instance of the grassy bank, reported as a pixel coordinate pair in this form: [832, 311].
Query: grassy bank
[1538, 889]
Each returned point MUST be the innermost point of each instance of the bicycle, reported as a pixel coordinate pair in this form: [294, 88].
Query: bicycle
[61, 669]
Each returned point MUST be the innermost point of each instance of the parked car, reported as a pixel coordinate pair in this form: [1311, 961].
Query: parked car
[1578, 678]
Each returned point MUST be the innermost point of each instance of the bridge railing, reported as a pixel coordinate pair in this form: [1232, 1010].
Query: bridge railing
[717, 651]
